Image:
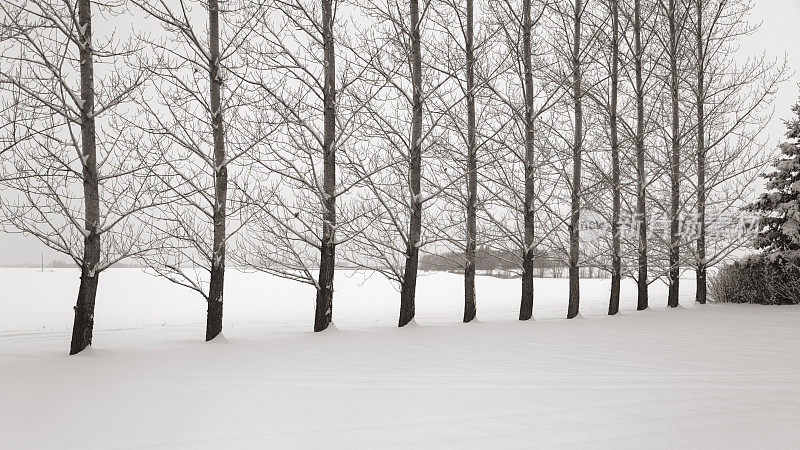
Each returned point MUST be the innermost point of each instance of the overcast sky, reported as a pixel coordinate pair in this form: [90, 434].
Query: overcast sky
[776, 37]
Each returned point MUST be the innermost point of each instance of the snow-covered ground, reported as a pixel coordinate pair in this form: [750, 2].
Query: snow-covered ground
[715, 376]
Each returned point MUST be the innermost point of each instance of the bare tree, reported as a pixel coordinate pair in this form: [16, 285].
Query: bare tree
[472, 169]
[189, 120]
[568, 18]
[408, 290]
[672, 41]
[217, 283]
[304, 212]
[577, 134]
[324, 303]
[397, 125]
[77, 178]
[732, 106]
[701, 291]
[526, 304]
[616, 263]
[574, 227]
[461, 149]
[641, 205]
[522, 89]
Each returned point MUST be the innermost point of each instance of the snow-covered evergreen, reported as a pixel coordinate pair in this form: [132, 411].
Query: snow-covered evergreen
[780, 205]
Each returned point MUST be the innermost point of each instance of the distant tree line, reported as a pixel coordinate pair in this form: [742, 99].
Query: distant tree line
[486, 260]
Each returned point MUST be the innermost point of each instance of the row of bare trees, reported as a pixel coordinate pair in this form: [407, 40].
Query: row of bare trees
[294, 136]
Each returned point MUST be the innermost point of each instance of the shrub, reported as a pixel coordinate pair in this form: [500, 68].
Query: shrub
[762, 279]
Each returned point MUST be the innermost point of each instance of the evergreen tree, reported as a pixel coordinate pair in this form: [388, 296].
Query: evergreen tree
[779, 207]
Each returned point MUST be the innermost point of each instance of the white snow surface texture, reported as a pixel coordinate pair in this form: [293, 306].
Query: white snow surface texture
[714, 376]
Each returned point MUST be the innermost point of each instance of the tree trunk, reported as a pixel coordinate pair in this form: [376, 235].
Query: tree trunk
[616, 264]
[84, 307]
[574, 227]
[409, 285]
[641, 214]
[216, 286]
[472, 175]
[700, 295]
[526, 304]
[324, 305]
[84, 311]
[675, 160]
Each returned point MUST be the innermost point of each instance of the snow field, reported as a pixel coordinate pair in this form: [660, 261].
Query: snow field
[723, 376]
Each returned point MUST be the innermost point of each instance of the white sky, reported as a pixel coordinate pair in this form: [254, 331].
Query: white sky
[776, 37]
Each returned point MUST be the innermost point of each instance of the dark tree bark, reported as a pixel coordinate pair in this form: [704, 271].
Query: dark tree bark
[409, 285]
[324, 304]
[216, 285]
[472, 175]
[616, 265]
[574, 228]
[87, 293]
[675, 160]
[641, 205]
[700, 295]
[526, 305]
